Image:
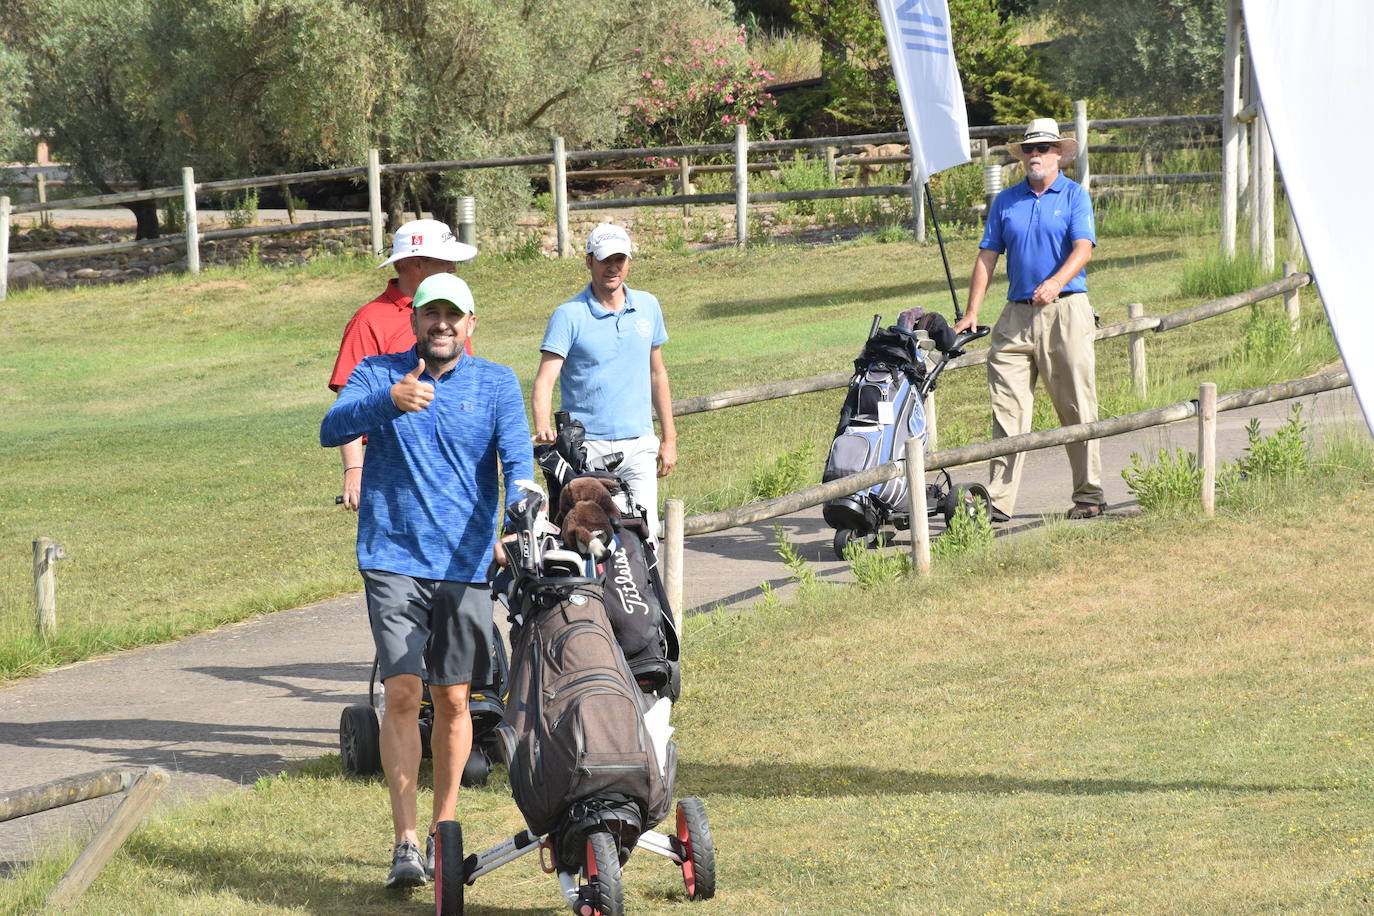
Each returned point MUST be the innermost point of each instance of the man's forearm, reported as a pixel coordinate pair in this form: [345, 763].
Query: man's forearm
[352, 454]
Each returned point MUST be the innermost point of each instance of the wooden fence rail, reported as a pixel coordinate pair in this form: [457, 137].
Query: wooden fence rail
[142, 787]
[371, 174]
[1010, 445]
[1131, 326]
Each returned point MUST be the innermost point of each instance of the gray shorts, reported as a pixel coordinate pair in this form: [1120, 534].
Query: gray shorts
[435, 629]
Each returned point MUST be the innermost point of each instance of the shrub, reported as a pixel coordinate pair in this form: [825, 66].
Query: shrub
[1216, 275]
[1168, 484]
[965, 532]
[1280, 454]
[696, 90]
[877, 567]
[240, 210]
[1267, 336]
[788, 473]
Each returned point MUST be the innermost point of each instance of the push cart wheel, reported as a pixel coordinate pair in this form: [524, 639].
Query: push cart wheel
[698, 852]
[360, 748]
[604, 894]
[965, 498]
[448, 869]
[843, 537]
[476, 770]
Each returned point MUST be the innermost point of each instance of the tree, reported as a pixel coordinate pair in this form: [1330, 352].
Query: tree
[13, 86]
[1001, 78]
[134, 90]
[1151, 56]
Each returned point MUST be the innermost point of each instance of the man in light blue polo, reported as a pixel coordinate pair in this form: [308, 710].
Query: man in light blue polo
[437, 422]
[605, 348]
[1047, 327]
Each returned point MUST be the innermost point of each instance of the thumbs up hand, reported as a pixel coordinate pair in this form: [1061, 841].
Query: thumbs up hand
[410, 394]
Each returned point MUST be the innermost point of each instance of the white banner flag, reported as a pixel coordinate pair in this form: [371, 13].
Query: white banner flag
[1312, 64]
[922, 50]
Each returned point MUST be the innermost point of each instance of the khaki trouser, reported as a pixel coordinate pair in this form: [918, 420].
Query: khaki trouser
[1054, 342]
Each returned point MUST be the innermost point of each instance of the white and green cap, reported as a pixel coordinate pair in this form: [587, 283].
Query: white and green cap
[444, 288]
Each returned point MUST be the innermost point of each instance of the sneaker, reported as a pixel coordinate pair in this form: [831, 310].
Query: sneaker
[998, 516]
[407, 869]
[429, 856]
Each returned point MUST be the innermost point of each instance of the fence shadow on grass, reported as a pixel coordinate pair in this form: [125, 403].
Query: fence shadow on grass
[770, 780]
[755, 306]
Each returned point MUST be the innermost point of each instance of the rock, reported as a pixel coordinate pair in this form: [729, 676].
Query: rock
[57, 276]
[23, 274]
[86, 273]
[332, 246]
[110, 273]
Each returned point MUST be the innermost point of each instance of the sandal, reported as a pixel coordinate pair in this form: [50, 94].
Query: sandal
[1085, 510]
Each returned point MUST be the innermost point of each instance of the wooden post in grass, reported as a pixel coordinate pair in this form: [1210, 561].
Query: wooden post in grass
[1136, 349]
[46, 553]
[830, 164]
[374, 199]
[684, 175]
[1207, 445]
[4, 247]
[1290, 299]
[289, 203]
[560, 196]
[916, 488]
[1230, 130]
[109, 838]
[1080, 133]
[673, 517]
[741, 186]
[188, 200]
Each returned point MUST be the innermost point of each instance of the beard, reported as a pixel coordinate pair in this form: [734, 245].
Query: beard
[436, 352]
[1036, 173]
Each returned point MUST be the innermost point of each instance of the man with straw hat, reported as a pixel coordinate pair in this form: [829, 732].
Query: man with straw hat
[1047, 327]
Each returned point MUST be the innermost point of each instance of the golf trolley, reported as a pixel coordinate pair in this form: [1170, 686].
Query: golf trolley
[884, 406]
[595, 834]
[360, 750]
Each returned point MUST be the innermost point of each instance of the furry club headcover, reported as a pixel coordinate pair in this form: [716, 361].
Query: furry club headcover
[587, 510]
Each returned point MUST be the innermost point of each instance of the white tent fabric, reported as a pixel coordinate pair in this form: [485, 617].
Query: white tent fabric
[922, 51]
[1312, 61]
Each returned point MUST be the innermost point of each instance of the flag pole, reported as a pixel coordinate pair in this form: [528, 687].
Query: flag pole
[939, 237]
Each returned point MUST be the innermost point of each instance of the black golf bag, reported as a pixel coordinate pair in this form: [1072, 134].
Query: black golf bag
[583, 757]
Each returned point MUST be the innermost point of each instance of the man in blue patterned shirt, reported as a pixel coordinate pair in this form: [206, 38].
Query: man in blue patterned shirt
[437, 423]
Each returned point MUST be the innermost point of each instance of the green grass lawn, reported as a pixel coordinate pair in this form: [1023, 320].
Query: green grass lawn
[1024, 732]
[166, 432]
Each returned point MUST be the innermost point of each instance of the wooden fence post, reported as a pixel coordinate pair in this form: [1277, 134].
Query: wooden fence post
[1230, 133]
[1264, 196]
[4, 247]
[830, 164]
[916, 490]
[46, 553]
[684, 175]
[41, 179]
[1207, 445]
[374, 199]
[289, 203]
[673, 516]
[560, 196]
[109, 838]
[1136, 349]
[1080, 133]
[188, 202]
[741, 186]
[1291, 303]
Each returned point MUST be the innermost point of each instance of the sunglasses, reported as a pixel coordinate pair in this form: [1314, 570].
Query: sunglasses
[1038, 147]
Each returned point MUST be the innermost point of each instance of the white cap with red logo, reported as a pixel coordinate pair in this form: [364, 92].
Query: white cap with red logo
[428, 238]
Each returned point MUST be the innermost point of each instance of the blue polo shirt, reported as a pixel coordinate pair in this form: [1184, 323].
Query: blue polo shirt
[1037, 233]
[430, 491]
[605, 377]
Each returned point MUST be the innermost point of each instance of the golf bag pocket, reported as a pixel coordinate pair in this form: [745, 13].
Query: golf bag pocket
[635, 606]
[578, 716]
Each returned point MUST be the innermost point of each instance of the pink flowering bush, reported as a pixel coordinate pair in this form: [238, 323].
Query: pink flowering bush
[697, 89]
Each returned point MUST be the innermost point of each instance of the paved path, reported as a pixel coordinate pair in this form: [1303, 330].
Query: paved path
[220, 709]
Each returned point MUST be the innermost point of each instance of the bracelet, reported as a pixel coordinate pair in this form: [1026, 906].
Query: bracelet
[356, 467]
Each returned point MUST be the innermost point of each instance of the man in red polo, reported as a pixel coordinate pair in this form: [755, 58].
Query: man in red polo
[420, 249]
